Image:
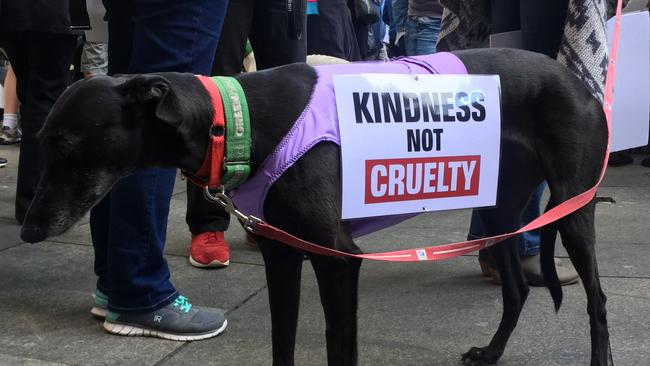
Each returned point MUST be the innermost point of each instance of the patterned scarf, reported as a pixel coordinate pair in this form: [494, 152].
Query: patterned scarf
[466, 24]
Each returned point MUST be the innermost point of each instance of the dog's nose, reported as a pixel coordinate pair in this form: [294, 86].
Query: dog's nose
[32, 234]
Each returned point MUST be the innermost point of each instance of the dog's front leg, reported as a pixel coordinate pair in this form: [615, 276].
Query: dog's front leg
[338, 281]
[283, 269]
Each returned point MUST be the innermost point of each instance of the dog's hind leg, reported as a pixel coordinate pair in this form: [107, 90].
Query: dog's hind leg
[579, 237]
[514, 290]
[338, 280]
[283, 269]
[506, 217]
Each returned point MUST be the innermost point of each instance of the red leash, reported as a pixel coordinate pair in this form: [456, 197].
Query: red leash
[446, 251]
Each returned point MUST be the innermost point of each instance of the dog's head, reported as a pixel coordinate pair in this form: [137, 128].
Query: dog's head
[100, 130]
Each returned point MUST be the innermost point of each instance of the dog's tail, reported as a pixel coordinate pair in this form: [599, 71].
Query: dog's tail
[547, 258]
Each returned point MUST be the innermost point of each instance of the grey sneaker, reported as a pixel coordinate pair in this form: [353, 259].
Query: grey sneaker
[101, 304]
[178, 321]
[10, 136]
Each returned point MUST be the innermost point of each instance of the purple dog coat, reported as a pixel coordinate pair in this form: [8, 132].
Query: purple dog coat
[319, 122]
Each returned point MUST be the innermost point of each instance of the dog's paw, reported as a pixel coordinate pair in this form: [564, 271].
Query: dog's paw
[479, 356]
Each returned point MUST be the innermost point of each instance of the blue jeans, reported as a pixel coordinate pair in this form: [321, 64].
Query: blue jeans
[529, 241]
[129, 225]
[421, 35]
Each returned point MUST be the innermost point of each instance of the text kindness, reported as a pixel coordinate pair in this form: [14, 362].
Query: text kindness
[374, 107]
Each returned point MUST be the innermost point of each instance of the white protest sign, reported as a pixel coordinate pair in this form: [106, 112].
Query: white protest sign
[631, 106]
[416, 144]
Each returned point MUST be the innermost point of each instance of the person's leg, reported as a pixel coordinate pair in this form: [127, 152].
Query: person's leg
[41, 62]
[529, 247]
[206, 220]
[120, 30]
[138, 275]
[168, 36]
[529, 241]
[504, 16]
[271, 42]
[421, 35]
[542, 25]
[331, 31]
[10, 132]
[542, 29]
[94, 59]
[176, 36]
[236, 29]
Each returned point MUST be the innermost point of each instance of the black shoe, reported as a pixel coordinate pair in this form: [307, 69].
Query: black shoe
[178, 321]
[619, 158]
[646, 162]
[3, 162]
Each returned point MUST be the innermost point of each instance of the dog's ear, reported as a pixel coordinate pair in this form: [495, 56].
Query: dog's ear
[155, 89]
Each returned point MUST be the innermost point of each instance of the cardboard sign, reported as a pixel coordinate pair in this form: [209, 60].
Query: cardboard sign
[631, 106]
[417, 143]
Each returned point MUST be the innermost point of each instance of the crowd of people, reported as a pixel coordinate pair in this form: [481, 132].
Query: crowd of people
[41, 39]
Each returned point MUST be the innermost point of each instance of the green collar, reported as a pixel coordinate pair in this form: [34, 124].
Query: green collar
[237, 152]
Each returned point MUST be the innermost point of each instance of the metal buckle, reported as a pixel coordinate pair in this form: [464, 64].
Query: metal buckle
[248, 221]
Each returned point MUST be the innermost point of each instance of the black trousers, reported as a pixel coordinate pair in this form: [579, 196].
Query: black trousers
[41, 62]
[265, 23]
[541, 22]
[331, 32]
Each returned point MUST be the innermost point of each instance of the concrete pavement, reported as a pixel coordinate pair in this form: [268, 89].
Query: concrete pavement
[409, 314]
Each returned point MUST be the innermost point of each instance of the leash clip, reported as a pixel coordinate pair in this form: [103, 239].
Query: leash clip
[222, 199]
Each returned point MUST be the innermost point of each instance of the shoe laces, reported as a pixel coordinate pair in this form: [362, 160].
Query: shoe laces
[182, 304]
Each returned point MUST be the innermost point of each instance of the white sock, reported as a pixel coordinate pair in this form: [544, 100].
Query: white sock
[10, 120]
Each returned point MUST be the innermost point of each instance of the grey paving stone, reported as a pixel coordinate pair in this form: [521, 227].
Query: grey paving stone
[618, 260]
[634, 175]
[430, 314]
[15, 361]
[626, 221]
[9, 233]
[8, 181]
[46, 296]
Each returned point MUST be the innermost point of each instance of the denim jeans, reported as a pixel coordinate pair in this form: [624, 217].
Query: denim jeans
[421, 35]
[129, 225]
[528, 241]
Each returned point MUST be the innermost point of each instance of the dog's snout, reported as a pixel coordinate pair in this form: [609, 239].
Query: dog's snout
[32, 234]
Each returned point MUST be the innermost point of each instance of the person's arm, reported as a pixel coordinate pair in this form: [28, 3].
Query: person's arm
[400, 11]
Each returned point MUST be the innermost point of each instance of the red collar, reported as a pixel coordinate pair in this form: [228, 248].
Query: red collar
[210, 172]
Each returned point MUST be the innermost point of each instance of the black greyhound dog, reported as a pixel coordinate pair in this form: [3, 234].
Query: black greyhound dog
[553, 129]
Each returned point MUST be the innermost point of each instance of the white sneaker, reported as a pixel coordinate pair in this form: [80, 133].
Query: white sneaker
[10, 136]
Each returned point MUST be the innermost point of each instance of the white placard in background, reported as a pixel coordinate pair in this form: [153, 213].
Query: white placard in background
[418, 144]
[631, 107]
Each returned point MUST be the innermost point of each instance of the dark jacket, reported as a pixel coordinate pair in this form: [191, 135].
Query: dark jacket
[52, 16]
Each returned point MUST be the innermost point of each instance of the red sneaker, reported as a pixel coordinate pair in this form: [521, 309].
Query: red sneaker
[209, 250]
